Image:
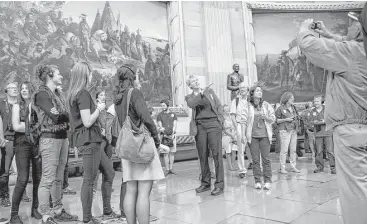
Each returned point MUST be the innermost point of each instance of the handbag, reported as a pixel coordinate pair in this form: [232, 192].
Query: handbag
[134, 144]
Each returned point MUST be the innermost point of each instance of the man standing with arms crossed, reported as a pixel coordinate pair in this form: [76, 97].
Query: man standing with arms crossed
[345, 108]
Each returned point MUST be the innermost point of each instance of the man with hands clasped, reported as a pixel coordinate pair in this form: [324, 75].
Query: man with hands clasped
[322, 137]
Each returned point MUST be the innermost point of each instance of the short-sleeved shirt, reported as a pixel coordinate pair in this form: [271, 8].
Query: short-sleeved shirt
[167, 120]
[81, 134]
[319, 129]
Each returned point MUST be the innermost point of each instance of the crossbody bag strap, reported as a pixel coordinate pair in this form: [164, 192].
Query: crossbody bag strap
[128, 102]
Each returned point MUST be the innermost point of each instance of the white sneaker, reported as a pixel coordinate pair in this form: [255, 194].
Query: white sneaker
[267, 186]
[257, 185]
[294, 169]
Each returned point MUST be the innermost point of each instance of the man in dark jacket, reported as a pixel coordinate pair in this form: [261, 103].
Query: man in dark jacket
[233, 81]
[206, 126]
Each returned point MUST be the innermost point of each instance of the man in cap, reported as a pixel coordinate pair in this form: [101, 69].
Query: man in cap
[7, 138]
[345, 108]
[233, 81]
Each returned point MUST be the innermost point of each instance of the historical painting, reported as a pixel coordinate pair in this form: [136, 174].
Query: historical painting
[104, 34]
[280, 64]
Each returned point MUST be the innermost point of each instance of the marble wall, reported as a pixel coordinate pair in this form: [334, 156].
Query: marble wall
[214, 37]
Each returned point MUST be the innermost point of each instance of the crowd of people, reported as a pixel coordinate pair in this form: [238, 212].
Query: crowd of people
[78, 120]
[335, 125]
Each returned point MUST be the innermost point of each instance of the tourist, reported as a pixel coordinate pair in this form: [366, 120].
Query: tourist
[259, 134]
[86, 135]
[288, 124]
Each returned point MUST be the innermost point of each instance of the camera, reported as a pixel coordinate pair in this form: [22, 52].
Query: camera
[315, 25]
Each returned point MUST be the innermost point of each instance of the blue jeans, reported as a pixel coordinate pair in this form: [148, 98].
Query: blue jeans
[94, 159]
[261, 147]
[6, 160]
[24, 155]
[54, 154]
[324, 144]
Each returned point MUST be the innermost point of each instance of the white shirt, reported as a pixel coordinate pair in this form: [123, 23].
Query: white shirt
[112, 110]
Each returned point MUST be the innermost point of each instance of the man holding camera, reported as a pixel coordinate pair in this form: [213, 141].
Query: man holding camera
[345, 109]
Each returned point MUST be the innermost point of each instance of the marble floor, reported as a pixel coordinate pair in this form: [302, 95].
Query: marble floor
[295, 198]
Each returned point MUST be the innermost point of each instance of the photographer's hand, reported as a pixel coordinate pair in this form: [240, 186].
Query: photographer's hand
[322, 30]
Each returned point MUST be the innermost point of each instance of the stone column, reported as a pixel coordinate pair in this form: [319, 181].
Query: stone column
[176, 52]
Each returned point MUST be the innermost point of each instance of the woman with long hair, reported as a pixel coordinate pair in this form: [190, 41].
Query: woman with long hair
[138, 177]
[259, 134]
[288, 124]
[102, 122]
[86, 135]
[25, 153]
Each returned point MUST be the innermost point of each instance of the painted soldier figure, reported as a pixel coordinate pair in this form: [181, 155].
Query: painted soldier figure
[233, 81]
[285, 68]
[84, 34]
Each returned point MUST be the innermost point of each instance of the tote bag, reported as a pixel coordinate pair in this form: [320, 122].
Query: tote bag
[134, 144]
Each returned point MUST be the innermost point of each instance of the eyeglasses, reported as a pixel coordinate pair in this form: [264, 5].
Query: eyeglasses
[12, 88]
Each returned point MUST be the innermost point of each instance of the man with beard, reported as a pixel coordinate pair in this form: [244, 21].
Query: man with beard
[345, 107]
[233, 81]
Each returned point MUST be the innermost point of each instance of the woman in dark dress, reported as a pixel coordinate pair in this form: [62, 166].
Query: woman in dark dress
[86, 135]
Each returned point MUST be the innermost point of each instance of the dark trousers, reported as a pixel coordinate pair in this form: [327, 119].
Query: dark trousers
[324, 145]
[93, 159]
[65, 183]
[261, 147]
[209, 137]
[7, 157]
[24, 155]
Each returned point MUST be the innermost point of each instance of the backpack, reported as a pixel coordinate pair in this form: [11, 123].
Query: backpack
[33, 125]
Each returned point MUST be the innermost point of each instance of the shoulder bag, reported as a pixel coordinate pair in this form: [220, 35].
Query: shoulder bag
[134, 144]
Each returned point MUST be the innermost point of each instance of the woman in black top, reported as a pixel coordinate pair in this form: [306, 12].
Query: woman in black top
[86, 134]
[50, 107]
[139, 177]
[24, 154]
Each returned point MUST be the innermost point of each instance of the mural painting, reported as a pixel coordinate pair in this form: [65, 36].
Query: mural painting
[281, 66]
[104, 34]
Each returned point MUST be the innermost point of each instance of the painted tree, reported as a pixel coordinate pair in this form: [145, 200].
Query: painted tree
[108, 21]
[97, 22]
